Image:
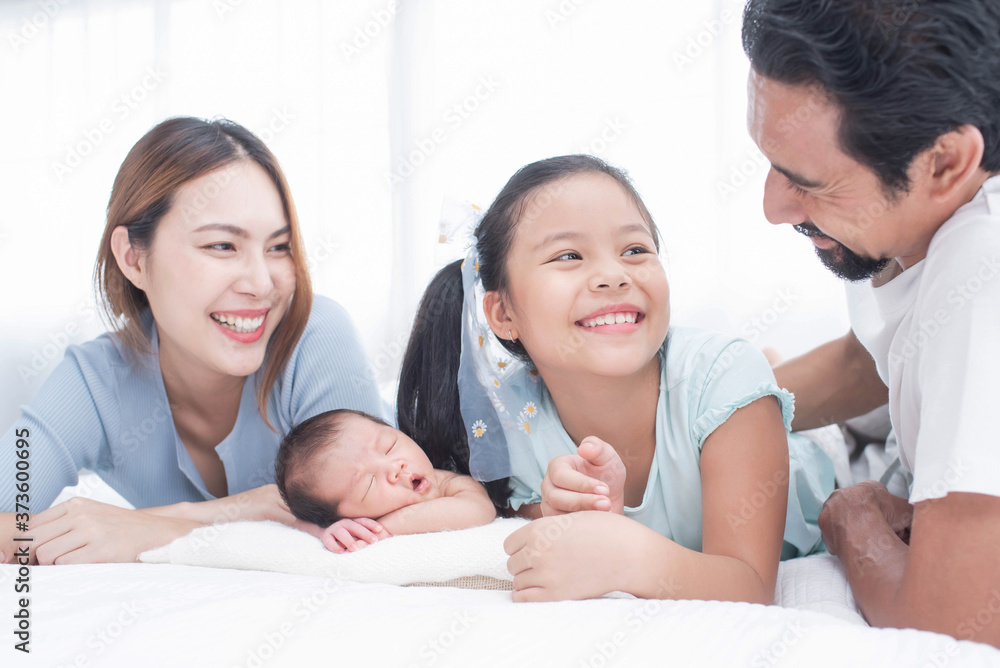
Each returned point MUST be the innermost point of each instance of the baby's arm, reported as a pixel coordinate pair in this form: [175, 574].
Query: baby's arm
[463, 504]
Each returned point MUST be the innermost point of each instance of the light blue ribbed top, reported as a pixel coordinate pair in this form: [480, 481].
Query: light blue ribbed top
[100, 412]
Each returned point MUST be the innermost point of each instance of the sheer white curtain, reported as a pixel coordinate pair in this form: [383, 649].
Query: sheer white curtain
[378, 110]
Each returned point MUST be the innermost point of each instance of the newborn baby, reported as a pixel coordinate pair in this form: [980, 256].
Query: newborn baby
[364, 480]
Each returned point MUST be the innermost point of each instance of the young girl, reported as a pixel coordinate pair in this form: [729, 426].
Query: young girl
[659, 456]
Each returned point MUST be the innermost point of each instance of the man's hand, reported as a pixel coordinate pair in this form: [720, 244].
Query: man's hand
[592, 479]
[853, 503]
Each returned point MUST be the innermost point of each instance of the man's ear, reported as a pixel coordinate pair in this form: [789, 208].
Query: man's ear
[131, 263]
[498, 317]
[956, 159]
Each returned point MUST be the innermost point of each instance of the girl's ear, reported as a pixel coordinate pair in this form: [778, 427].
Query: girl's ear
[498, 318]
[130, 262]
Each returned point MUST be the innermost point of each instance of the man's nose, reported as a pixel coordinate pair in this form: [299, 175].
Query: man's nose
[781, 205]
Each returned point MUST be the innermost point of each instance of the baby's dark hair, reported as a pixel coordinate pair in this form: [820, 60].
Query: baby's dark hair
[296, 454]
[427, 401]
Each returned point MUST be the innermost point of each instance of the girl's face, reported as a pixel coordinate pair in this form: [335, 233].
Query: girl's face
[587, 290]
[219, 275]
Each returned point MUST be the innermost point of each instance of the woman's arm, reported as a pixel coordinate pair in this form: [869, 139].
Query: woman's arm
[587, 554]
[464, 504]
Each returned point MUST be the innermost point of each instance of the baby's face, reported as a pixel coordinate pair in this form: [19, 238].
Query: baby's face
[373, 470]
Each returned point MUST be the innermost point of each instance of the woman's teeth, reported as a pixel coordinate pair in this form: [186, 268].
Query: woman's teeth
[238, 324]
[610, 319]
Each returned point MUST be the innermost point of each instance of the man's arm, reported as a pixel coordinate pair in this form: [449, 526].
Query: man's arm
[832, 383]
[945, 580]
[464, 504]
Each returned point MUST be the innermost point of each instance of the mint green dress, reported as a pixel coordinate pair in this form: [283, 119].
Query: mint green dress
[705, 377]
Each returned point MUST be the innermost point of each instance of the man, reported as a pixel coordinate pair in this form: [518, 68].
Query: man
[881, 119]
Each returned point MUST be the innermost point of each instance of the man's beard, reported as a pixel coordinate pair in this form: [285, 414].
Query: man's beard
[841, 260]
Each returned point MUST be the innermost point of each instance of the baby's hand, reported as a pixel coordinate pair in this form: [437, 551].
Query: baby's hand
[352, 535]
[592, 479]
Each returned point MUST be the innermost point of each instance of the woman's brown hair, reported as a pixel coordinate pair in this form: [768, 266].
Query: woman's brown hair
[173, 153]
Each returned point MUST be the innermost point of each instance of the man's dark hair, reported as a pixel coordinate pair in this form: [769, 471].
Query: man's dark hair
[298, 451]
[903, 72]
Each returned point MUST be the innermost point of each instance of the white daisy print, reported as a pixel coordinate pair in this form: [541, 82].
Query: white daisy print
[478, 428]
[530, 410]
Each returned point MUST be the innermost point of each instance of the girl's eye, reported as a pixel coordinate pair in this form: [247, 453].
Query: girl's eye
[223, 246]
[569, 256]
[636, 250]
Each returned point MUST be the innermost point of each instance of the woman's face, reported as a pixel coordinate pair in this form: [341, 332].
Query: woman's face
[219, 274]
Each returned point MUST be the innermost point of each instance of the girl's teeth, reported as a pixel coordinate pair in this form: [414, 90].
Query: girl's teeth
[611, 319]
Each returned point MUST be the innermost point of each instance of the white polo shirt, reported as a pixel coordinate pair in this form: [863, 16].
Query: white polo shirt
[934, 332]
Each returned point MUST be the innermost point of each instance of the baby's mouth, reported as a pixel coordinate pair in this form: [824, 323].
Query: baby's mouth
[420, 484]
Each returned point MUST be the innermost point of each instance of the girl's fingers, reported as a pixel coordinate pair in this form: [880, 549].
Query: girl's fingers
[571, 502]
[596, 451]
[576, 481]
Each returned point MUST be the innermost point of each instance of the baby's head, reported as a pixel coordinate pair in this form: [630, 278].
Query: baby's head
[345, 463]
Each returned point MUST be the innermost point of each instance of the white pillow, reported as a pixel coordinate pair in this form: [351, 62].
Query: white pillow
[471, 558]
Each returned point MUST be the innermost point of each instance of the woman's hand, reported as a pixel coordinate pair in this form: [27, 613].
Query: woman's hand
[82, 531]
[592, 479]
[577, 556]
[260, 503]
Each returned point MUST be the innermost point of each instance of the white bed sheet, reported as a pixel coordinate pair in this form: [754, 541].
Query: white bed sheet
[166, 615]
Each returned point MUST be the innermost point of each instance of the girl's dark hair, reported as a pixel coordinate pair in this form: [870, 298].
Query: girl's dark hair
[903, 72]
[427, 402]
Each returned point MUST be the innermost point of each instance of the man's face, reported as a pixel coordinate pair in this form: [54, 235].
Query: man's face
[833, 199]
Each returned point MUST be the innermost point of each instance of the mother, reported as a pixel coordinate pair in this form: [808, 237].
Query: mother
[218, 349]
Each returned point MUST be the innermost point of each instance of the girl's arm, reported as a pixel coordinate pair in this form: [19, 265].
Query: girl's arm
[464, 504]
[744, 464]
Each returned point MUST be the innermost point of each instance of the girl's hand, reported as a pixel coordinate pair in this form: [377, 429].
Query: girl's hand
[571, 557]
[592, 479]
[352, 535]
[82, 531]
